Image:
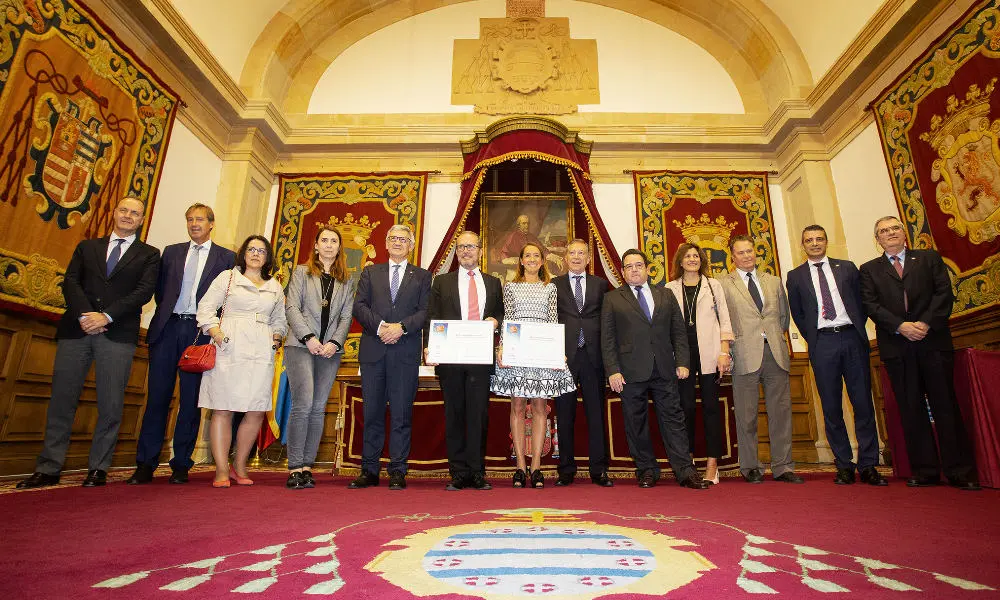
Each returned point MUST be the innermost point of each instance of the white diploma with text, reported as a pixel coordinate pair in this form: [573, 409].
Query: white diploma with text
[460, 342]
[531, 344]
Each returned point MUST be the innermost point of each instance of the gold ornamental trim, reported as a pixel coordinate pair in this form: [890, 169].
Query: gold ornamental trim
[526, 122]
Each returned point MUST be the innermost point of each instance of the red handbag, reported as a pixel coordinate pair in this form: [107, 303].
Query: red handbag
[200, 358]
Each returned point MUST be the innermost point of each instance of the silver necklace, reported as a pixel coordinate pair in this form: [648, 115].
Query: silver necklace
[690, 304]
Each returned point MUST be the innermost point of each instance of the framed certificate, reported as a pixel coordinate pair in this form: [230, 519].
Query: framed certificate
[530, 344]
[460, 342]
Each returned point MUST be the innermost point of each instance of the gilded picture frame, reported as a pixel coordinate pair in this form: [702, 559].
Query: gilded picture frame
[509, 221]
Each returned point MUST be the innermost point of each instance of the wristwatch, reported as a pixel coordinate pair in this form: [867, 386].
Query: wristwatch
[307, 337]
[403, 327]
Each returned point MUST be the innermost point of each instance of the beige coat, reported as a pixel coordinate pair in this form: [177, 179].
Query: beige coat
[244, 366]
[711, 331]
[749, 325]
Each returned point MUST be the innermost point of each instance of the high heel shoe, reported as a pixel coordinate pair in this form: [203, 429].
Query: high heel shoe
[714, 480]
[519, 478]
[537, 480]
[220, 483]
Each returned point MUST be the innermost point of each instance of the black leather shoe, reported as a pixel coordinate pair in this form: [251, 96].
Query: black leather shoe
[844, 477]
[307, 479]
[753, 476]
[923, 482]
[602, 480]
[967, 485]
[479, 482]
[143, 474]
[295, 481]
[457, 483]
[564, 479]
[178, 476]
[871, 476]
[365, 479]
[647, 480]
[397, 481]
[38, 480]
[95, 477]
[789, 477]
[695, 482]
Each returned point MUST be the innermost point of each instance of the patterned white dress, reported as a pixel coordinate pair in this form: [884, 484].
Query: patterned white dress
[531, 302]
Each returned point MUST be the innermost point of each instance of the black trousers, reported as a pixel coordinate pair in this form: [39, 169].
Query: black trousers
[920, 372]
[590, 383]
[177, 335]
[466, 391]
[669, 416]
[838, 359]
[711, 411]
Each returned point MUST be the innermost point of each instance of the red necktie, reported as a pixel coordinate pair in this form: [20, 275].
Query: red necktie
[473, 298]
[898, 263]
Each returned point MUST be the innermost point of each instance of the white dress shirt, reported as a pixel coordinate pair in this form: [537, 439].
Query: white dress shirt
[901, 255]
[756, 280]
[125, 245]
[189, 305]
[463, 291]
[838, 301]
[647, 294]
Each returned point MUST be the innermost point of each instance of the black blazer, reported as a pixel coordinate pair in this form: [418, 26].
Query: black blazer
[445, 302]
[928, 292]
[87, 288]
[168, 284]
[632, 345]
[373, 305]
[804, 305]
[589, 318]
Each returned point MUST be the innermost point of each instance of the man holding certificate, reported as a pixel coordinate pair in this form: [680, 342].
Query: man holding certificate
[464, 309]
[645, 347]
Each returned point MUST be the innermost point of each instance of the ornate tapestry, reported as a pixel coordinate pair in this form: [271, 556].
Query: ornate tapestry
[83, 123]
[940, 139]
[707, 209]
[362, 207]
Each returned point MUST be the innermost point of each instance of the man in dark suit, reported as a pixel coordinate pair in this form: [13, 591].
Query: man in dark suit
[907, 293]
[107, 282]
[186, 271]
[580, 297]
[824, 297]
[645, 348]
[466, 294]
[391, 306]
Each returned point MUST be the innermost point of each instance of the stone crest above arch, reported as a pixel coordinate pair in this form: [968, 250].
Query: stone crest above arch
[751, 43]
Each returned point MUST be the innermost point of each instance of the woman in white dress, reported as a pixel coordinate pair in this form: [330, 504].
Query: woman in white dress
[530, 297]
[252, 327]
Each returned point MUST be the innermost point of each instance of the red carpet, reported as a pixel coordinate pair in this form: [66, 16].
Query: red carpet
[581, 542]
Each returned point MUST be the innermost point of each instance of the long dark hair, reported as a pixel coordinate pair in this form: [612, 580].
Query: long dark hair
[241, 257]
[682, 250]
[543, 273]
[339, 267]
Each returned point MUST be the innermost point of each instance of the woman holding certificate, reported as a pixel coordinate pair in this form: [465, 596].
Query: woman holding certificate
[529, 297]
[320, 300]
[709, 334]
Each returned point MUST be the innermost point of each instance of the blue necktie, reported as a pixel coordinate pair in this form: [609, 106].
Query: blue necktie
[394, 283]
[115, 256]
[642, 303]
[187, 284]
[578, 293]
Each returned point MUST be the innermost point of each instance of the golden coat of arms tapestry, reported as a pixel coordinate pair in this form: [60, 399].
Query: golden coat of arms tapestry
[940, 128]
[83, 123]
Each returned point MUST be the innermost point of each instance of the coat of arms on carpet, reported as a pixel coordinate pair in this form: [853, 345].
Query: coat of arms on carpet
[524, 552]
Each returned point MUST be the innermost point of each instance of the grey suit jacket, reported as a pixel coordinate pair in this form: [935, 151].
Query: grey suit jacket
[303, 309]
[750, 325]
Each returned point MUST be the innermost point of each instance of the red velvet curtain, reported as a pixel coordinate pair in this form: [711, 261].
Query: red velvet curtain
[542, 146]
